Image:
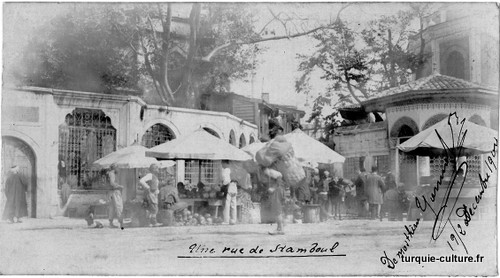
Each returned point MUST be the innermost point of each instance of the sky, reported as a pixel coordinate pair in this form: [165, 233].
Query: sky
[277, 70]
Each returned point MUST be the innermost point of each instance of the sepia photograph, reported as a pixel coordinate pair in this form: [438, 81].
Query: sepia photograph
[249, 139]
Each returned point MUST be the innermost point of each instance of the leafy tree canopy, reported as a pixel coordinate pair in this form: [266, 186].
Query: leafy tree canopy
[356, 64]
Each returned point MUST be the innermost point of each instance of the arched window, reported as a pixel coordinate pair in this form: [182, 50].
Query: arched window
[211, 131]
[85, 136]
[434, 120]
[252, 139]
[455, 65]
[406, 128]
[156, 135]
[232, 138]
[398, 125]
[243, 141]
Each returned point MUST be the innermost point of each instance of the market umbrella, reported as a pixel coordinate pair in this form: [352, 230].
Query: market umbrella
[133, 156]
[253, 148]
[251, 164]
[451, 133]
[198, 145]
[310, 151]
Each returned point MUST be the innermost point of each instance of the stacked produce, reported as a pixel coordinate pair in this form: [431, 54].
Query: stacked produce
[191, 191]
[186, 218]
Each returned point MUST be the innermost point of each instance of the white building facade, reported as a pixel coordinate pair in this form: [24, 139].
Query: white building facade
[57, 133]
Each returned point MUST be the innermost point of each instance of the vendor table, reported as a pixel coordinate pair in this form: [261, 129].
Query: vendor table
[211, 202]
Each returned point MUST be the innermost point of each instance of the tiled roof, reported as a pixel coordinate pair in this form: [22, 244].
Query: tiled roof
[432, 82]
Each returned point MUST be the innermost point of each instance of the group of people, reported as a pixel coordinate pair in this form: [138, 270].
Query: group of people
[370, 191]
[332, 194]
[152, 197]
[323, 189]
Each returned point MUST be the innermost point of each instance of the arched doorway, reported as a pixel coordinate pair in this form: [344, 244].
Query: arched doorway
[403, 129]
[85, 136]
[407, 163]
[17, 152]
[155, 135]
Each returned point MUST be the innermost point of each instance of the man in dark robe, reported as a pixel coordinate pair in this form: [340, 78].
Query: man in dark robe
[15, 191]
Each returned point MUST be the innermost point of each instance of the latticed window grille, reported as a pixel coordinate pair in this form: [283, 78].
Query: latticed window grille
[86, 136]
[192, 171]
[351, 164]
[408, 169]
[382, 162]
[474, 166]
[156, 135]
[209, 172]
[437, 163]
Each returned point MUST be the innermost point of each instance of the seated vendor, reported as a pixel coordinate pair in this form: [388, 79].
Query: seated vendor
[169, 197]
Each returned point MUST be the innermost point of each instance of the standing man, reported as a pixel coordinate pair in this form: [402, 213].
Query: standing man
[374, 191]
[115, 208]
[302, 192]
[315, 186]
[150, 184]
[277, 197]
[361, 194]
[231, 191]
[15, 191]
[323, 197]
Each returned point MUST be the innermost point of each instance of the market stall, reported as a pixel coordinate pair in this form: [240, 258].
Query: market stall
[459, 143]
[201, 153]
[132, 163]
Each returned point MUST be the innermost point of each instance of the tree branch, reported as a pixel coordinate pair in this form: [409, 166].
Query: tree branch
[166, 49]
[208, 57]
[340, 11]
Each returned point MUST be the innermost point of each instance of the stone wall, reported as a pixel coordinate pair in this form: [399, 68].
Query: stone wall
[33, 115]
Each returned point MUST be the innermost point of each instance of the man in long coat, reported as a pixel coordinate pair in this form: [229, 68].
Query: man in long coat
[15, 191]
[115, 208]
[374, 191]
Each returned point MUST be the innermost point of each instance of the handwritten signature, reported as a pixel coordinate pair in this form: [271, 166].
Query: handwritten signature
[444, 211]
[447, 206]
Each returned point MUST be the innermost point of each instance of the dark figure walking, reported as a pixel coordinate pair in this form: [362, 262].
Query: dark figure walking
[15, 191]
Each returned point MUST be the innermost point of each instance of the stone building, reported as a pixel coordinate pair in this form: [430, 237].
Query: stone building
[51, 133]
[460, 76]
[253, 110]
